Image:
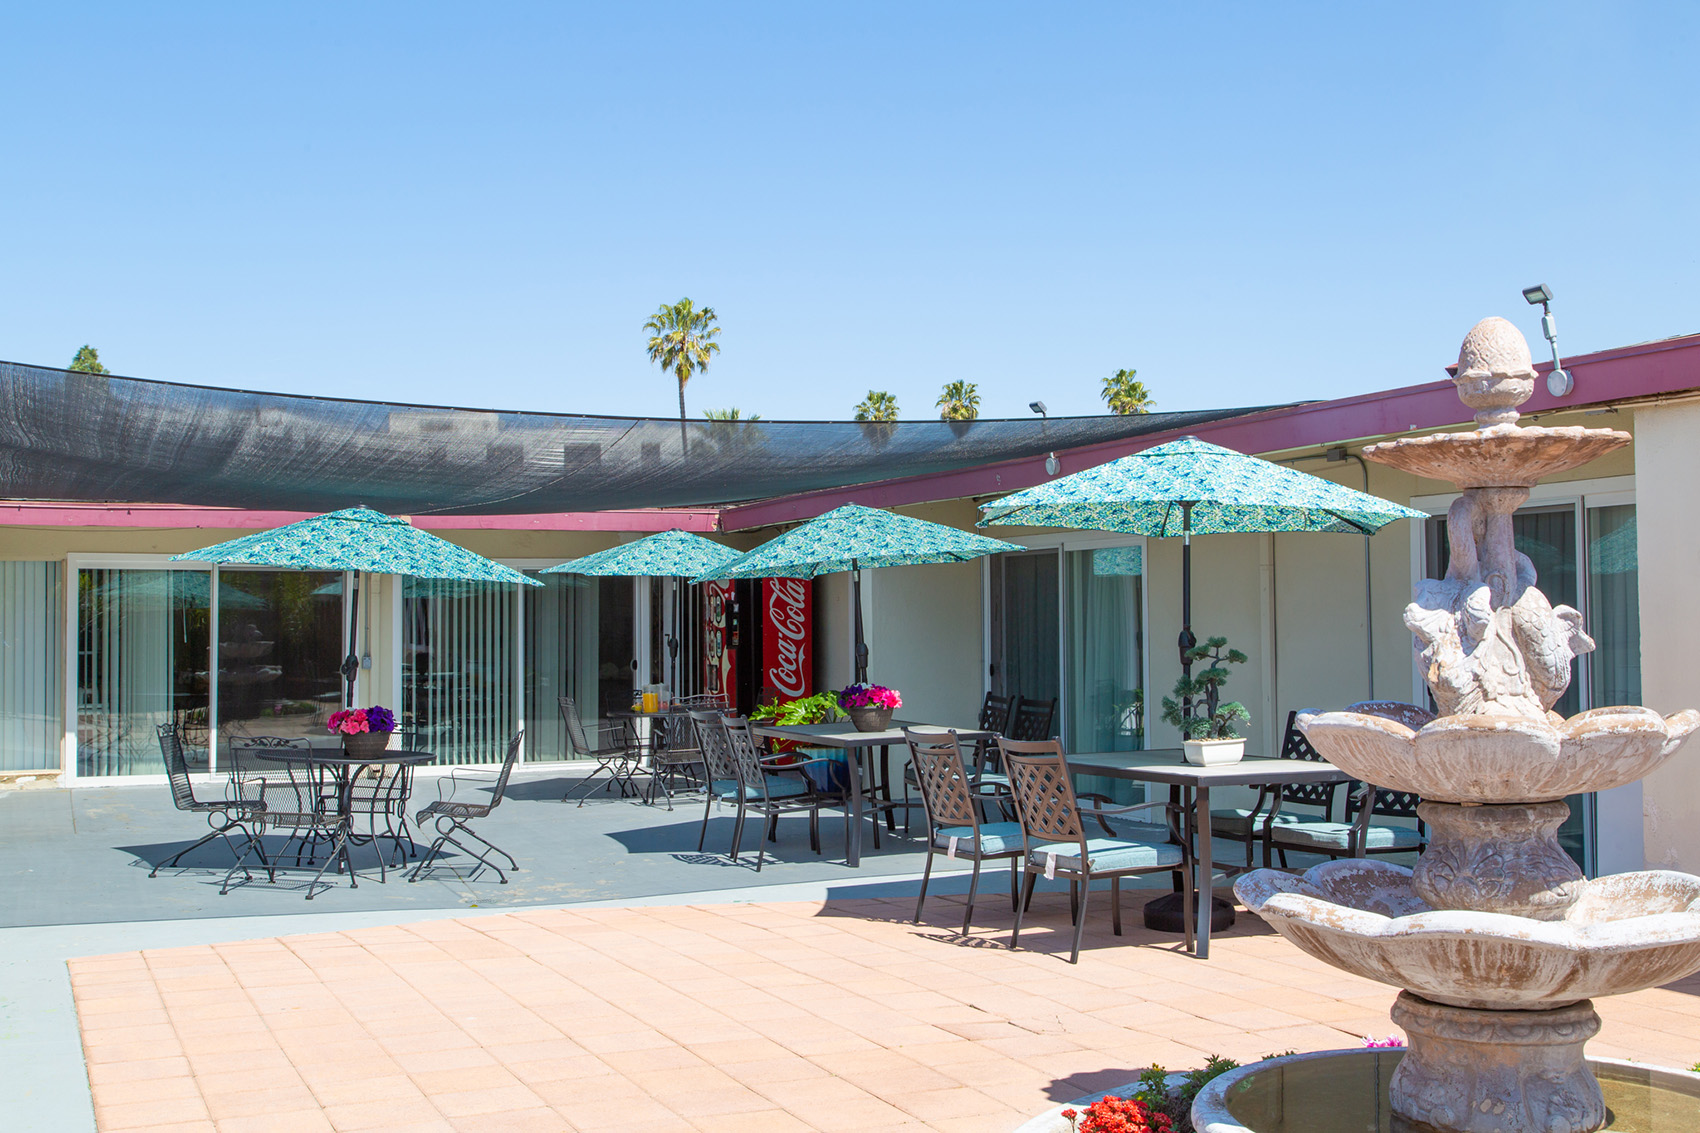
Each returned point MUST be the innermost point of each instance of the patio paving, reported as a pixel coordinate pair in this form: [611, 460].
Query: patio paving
[825, 1015]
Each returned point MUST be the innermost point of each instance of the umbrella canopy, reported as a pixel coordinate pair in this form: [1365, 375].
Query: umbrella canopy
[358, 539]
[1193, 487]
[851, 538]
[670, 554]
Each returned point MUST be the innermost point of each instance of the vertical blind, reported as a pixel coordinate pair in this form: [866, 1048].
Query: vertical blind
[32, 665]
[562, 635]
[458, 668]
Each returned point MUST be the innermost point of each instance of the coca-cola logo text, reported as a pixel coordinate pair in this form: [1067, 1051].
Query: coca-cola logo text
[788, 636]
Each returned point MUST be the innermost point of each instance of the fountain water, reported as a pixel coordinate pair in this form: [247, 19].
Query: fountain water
[1496, 938]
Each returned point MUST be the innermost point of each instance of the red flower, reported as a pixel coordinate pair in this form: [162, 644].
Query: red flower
[1123, 1115]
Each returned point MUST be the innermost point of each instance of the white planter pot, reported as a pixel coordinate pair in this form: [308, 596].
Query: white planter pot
[1213, 753]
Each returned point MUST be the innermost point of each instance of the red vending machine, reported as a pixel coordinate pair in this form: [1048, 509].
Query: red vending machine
[787, 638]
[719, 641]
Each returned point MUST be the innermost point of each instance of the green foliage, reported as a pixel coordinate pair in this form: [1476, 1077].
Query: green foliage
[87, 361]
[877, 406]
[681, 342]
[1152, 1089]
[820, 708]
[1214, 1067]
[1211, 719]
[732, 414]
[1125, 396]
[960, 401]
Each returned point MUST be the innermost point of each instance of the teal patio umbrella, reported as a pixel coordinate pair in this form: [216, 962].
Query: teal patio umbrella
[1190, 487]
[358, 540]
[853, 538]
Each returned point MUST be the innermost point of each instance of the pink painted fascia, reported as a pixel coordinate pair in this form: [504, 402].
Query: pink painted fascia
[50, 514]
[1626, 373]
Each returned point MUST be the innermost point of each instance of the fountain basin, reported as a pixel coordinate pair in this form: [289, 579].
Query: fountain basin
[1346, 1091]
[1499, 456]
[1623, 933]
[1500, 759]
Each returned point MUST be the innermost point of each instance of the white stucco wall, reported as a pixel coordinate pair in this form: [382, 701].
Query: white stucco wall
[923, 633]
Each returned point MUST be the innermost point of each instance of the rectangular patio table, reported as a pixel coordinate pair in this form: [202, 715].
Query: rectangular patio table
[854, 743]
[1169, 765]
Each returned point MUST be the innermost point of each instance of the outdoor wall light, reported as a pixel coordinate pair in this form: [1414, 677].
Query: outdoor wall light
[1052, 465]
[1559, 383]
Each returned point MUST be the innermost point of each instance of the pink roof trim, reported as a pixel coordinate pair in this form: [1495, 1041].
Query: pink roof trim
[49, 514]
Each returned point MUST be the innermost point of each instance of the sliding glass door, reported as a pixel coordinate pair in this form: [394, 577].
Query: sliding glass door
[32, 665]
[458, 687]
[279, 649]
[1105, 698]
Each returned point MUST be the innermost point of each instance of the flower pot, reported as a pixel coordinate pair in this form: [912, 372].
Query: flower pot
[870, 718]
[365, 745]
[1213, 753]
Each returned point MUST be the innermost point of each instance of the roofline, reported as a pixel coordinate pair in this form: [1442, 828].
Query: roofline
[1624, 373]
[44, 513]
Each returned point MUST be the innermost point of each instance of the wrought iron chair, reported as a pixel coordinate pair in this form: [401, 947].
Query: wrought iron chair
[452, 816]
[621, 758]
[1032, 719]
[383, 798]
[994, 717]
[1250, 824]
[299, 802]
[762, 789]
[1057, 843]
[222, 815]
[674, 752]
[719, 774]
[952, 812]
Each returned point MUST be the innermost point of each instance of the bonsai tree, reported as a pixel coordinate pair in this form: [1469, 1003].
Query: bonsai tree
[1196, 708]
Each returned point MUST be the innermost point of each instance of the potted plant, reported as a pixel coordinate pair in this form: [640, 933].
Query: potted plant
[365, 731]
[1206, 723]
[870, 706]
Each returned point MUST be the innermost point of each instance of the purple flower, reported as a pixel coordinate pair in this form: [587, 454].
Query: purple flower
[380, 719]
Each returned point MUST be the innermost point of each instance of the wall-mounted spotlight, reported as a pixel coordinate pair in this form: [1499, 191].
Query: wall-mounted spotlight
[1052, 464]
[1559, 383]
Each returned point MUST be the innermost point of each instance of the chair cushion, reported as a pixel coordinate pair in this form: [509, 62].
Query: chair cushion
[995, 837]
[1338, 835]
[778, 787]
[1106, 855]
[1236, 820]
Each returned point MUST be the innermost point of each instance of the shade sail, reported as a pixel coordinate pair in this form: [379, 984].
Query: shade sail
[74, 436]
[853, 537]
[669, 554]
[359, 539]
[1228, 492]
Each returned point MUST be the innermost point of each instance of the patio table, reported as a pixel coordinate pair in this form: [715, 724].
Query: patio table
[854, 743]
[336, 767]
[1169, 765]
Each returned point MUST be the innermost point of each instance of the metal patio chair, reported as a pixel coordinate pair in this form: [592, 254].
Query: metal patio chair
[952, 812]
[1251, 824]
[1032, 719]
[762, 789]
[235, 812]
[1357, 836]
[1057, 843]
[382, 799]
[452, 815]
[719, 774]
[994, 717]
[621, 758]
[298, 803]
[673, 752]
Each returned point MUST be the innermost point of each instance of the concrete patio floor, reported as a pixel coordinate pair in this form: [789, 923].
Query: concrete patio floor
[819, 1015]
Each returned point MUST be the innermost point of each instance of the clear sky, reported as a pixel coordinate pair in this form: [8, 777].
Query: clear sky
[479, 204]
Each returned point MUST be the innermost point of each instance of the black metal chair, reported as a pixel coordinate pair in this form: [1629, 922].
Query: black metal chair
[452, 816]
[223, 815]
[762, 788]
[674, 751]
[383, 798]
[1032, 719]
[299, 802]
[1057, 843]
[1249, 824]
[994, 717]
[719, 774]
[952, 811]
[621, 758]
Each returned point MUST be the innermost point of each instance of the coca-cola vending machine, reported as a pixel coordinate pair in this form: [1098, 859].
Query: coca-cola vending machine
[720, 641]
[787, 638]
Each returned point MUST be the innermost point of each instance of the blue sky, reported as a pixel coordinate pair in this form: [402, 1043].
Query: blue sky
[480, 204]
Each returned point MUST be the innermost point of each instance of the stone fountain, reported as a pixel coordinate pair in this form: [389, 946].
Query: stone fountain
[1497, 940]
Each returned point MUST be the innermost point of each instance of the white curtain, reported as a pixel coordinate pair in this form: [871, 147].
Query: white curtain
[32, 665]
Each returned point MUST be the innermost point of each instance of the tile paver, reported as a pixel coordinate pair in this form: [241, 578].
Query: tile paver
[776, 1017]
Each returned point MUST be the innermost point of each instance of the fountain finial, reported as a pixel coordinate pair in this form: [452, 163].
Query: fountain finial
[1494, 374]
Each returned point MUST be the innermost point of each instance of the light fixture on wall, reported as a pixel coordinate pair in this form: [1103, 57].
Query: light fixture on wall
[1559, 382]
[1052, 464]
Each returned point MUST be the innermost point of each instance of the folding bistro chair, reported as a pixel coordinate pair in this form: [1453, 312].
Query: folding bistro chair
[223, 815]
[675, 752]
[952, 813]
[452, 816]
[1057, 844]
[621, 758]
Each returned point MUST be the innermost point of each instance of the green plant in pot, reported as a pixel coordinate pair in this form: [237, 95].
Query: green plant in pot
[821, 708]
[1205, 721]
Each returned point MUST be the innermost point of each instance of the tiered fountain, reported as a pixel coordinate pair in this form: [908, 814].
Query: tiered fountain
[1497, 940]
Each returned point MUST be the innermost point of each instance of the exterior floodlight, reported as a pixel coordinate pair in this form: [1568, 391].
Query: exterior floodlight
[1052, 465]
[1038, 407]
[1559, 383]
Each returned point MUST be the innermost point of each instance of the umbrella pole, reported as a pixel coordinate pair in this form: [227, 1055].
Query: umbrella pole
[856, 601]
[351, 663]
[1187, 640]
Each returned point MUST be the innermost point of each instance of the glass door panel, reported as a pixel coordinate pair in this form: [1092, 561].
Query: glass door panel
[562, 637]
[279, 648]
[32, 665]
[1105, 709]
[1027, 644]
[457, 685]
[1614, 606]
[141, 662]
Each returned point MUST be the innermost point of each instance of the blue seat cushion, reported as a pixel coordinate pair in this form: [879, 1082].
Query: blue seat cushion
[1237, 820]
[1337, 836]
[1105, 855]
[778, 787]
[995, 838]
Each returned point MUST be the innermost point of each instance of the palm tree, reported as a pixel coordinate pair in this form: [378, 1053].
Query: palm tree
[681, 342]
[732, 414]
[1125, 395]
[960, 401]
[877, 406]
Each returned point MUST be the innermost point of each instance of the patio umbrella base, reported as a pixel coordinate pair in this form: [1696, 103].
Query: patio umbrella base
[1163, 914]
